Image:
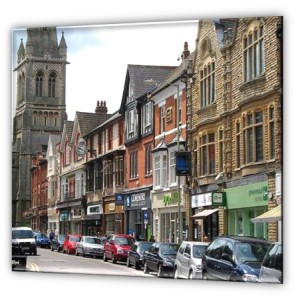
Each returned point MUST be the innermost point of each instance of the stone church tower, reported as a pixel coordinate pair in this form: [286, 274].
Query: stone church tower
[40, 108]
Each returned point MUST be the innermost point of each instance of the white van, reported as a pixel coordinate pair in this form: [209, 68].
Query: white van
[23, 237]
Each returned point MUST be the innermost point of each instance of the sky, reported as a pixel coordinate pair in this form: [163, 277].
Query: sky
[20, 14]
[99, 55]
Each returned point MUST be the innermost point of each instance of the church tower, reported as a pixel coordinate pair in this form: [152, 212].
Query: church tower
[40, 108]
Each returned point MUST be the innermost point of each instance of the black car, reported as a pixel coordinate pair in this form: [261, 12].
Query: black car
[136, 252]
[160, 258]
[272, 265]
[234, 258]
[57, 242]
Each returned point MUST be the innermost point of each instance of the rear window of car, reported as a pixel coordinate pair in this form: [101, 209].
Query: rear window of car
[74, 239]
[198, 250]
[124, 241]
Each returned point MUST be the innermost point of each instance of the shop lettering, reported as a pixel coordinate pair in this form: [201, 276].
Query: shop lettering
[260, 194]
[167, 200]
[138, 199]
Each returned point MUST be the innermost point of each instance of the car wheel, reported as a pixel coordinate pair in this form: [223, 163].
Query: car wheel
[146, 269]
[137, 266]
[190, 275]
[77, 253]
[128, 262]
[68, 251]
[58, 249]
[176, 273]
[104, 257]
[83, 253]
[159, 272]
[114, 259]
[52, 249]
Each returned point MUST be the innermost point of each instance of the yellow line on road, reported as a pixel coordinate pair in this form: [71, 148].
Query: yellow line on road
[33, 267]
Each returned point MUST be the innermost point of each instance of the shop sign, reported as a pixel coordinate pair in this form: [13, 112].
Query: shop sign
[219, 198]
[170, 199]
[119, 199]
[138, 200]
[94, 209]
[64, 216]
[201, 200]
[111, 206]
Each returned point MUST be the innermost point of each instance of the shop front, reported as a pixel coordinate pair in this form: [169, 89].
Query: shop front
[113, 216]
[93, 224]
[205, 218]
[138, 214]
[166, 208]
[245, 203]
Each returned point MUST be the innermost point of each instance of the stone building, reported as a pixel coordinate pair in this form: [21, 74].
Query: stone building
[40, 109]
[236, 128]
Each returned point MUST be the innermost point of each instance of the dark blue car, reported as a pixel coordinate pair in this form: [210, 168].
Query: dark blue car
[234, 258]
[42, 240]
[136, 252]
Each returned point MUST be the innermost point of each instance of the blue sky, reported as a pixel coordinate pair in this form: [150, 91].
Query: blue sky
[99, 55]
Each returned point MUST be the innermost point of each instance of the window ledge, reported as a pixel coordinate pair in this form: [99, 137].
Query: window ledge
[253, 82]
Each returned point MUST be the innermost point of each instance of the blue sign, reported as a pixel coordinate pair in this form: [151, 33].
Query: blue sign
[119, 199]
[145, 215]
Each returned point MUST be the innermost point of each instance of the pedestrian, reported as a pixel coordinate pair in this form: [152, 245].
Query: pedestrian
[52, 235]
[152, 239]
[206, 239]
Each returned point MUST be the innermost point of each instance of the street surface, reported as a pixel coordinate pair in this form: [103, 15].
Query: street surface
[47, 261]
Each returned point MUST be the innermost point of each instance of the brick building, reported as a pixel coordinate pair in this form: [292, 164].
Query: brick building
[236, 131]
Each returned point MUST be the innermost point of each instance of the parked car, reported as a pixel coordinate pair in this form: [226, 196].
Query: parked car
[90, 246]
[23, 240]
[42, 240]
[116, 247]
[70, 243]
[234, 258]
[57, 242]
[160, 258]
[136, 252]
[188, 262]
[272, 265]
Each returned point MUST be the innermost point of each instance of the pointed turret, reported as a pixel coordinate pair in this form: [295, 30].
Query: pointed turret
[21, 51]
[62, 47]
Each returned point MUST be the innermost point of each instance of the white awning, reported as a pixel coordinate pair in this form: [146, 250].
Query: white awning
[204, 213]
[272, 215]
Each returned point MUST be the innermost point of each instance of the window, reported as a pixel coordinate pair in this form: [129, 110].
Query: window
[207, 154]
[238, 145]
[162, 118]
[52, 85]
[271, 133]
[172, 166]
[108, 173]
[147, 117]
[157, 171]
[120, 132]
[148, 160]
[67, 154]
[130, 124]
[130, 96]
[110, 137]
[119, 170]
[133, 165]
[38, 84]
[220, 150]
[253, 53]
[90, 178]
[253, 137]
[99, 143]
[207, 84]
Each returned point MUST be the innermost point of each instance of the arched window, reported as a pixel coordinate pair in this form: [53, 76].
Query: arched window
[38, 84]
[52, 85]
[253, 53]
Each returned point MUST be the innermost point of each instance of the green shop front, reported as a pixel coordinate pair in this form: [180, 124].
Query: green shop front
[244, 203]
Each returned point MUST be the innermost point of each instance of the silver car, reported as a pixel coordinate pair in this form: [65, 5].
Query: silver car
[188, 262]
[90, 246]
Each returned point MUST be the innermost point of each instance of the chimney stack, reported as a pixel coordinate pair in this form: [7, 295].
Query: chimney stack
[185, 52]
[101, 108]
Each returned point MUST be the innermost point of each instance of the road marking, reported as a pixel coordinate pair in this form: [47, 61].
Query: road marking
[33, 267]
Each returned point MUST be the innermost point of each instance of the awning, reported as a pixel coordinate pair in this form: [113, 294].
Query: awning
[204, 213]
[272, 215]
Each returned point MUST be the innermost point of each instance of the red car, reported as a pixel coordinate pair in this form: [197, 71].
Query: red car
[116, 247]
[70, 243]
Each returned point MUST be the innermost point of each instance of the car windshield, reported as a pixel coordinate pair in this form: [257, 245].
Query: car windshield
[61, 238]
[124, 241]
[22, 234]
[74, 239]
[40, 235]
[92, 240]
[198, 250]
[170, 249]
[144, 246]
[250, 252]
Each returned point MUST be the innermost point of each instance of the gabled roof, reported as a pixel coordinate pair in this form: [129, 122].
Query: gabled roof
[54, 139]
[88, 121]
[136, 76]
[66, 133]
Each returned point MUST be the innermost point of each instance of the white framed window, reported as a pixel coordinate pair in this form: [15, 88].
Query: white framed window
[207, 84]
[147, 117]
[130, 124]
[172, 166]
[160, 170]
